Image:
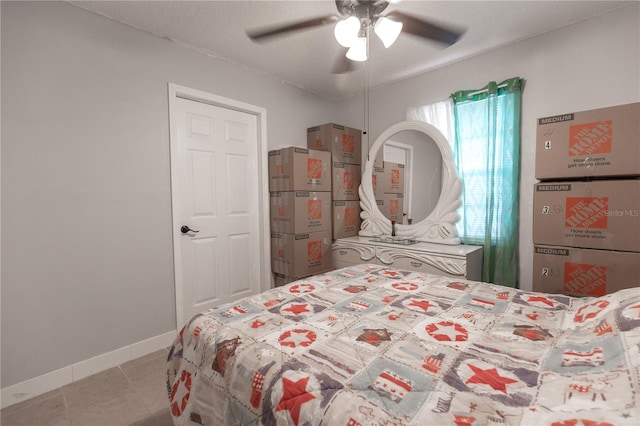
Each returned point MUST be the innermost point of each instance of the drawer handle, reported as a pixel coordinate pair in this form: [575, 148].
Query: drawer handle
[416, 264]
[342, 252]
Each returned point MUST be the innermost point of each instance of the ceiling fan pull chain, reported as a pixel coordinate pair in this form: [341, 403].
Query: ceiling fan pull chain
[366, 89]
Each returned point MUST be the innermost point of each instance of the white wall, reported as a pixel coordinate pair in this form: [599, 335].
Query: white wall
[87, 262]
[592, 64]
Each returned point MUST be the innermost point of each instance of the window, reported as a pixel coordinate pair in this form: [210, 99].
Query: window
[485, 139]
[479, 154]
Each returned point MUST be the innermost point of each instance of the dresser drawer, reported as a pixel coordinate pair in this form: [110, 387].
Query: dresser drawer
[345, 255]
[352, 254]
[452, 261]
[402, 262]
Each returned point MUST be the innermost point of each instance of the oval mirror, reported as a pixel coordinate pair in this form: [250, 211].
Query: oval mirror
[438, 224]
[422, 162]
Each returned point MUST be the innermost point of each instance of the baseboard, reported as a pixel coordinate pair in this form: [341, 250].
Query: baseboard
[63, 376]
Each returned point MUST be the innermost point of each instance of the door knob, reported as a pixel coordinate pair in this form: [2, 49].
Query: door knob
[184, 229]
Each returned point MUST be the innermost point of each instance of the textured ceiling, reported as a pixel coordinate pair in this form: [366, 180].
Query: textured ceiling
[305, 59]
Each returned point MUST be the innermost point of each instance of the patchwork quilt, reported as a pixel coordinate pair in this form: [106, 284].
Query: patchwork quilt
[368, 345]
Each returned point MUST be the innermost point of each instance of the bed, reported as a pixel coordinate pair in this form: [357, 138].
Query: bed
[368, 345]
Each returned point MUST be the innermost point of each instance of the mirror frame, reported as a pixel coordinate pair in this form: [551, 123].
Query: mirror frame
[439, 226]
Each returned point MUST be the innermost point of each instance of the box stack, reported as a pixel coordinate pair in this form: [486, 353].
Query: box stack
[344, 144]
[300, 195]
[586, 223]
[388, 187]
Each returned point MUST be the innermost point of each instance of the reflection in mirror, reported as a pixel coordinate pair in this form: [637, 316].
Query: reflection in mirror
[422, 171]
[439, 224]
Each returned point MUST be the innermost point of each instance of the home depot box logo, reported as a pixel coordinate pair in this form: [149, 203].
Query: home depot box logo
[350, 216]
[314, 168]
[394, 207]
[586, 212]
[348, 182]
[395, 177]
[591, 138]
[314, 209]
[314, 251]
[580, 278]
[348, 143]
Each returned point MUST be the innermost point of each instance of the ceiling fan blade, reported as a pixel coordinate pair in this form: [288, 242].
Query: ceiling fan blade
[343, 64]
[266, 33]
[421, 28]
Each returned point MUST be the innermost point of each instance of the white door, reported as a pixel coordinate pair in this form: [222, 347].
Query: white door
[216, 178]
[401, 153]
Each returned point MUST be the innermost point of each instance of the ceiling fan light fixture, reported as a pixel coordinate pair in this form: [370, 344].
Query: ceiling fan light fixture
[346, 31]
[387, 30]
[358, 51]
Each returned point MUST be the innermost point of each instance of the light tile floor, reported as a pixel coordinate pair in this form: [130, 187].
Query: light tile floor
[132, 394]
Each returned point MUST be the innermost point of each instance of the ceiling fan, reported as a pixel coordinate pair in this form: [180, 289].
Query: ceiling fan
[355, 19]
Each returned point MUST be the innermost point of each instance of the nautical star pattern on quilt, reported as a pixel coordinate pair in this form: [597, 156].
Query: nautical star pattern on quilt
[368, 345]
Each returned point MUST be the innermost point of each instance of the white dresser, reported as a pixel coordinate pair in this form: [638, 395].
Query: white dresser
[451, 260]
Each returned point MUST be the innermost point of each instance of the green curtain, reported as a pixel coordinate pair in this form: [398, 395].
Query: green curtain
[486, 153]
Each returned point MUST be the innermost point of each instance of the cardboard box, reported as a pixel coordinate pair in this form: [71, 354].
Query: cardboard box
[602, 214]
[344, 143]
[393, 178]
[300, 255]
[279, 279]
[391, 206]
[584, 272]
[299, 212]
[299, 169]
[379, 160]
[377, 180]
[599, 142]
[346, 181]
[346, 219]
